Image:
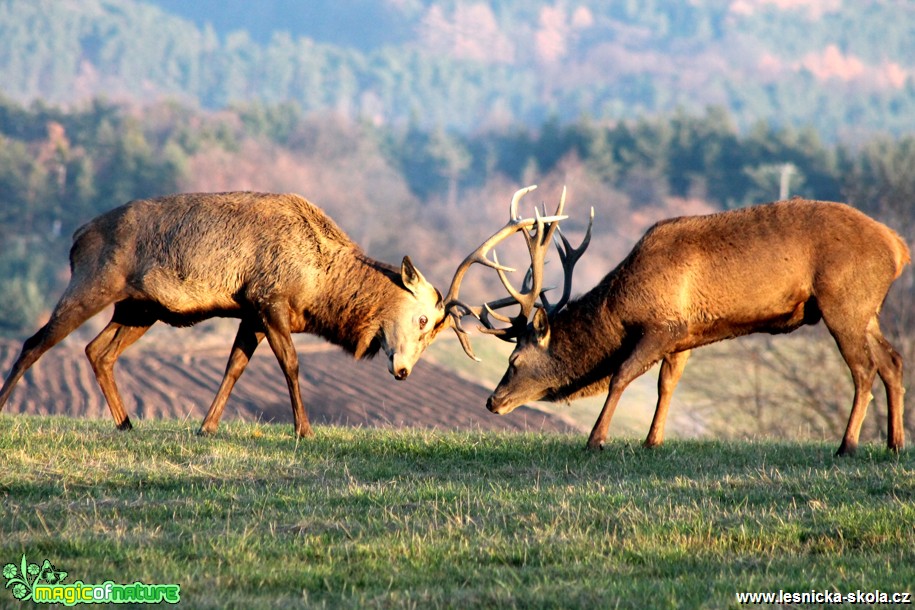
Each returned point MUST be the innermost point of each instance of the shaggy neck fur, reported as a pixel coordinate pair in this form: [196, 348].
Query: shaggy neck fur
[359, 293]
[584, 338]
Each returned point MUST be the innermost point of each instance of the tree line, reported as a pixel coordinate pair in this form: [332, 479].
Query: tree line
[467, 65]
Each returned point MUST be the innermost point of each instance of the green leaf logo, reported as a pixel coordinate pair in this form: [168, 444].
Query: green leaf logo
[22, 579]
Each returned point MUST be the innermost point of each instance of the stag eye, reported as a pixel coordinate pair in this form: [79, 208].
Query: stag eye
[423, 320]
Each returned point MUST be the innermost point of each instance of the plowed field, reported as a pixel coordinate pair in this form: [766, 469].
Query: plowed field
[168, 381]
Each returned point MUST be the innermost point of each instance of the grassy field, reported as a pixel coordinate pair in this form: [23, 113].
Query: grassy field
[360, 518]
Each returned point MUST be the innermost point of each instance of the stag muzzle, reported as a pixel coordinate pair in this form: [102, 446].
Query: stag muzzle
[499, 405]
[398, 366]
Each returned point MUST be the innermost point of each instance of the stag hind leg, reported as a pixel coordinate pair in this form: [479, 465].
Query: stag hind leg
[247, 339]
[79, 302]
[889, 367]
[855, 347]
[125, 327]
[671, 370]
[851, 306]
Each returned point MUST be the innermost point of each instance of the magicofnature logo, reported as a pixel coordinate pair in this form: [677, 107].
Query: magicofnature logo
[44, 584]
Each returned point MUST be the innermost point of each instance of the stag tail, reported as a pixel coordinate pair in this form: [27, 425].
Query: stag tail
[903, 255]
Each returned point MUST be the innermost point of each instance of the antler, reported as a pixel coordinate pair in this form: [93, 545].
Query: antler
[538, 232]
[568, 256]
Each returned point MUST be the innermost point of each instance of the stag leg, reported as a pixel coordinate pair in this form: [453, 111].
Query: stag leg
[857, 355]
[106, 348]
[276, 326]
[246, 341]
[77, 305]
[671, 369]
[889, 367]
[645, 354]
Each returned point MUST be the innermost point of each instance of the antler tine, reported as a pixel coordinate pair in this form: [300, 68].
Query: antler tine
[513, 225]
[538, 245]
[568, 256]
[527, 296]
[538, 232]
[516, 198]
[489, 308]
[532, 287]
[455, 308]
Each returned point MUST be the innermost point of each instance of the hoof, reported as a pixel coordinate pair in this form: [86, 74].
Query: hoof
[595, 446]
[204, 432]
[125, 425]
[846, 450]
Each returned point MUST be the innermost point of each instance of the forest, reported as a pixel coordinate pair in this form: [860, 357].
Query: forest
[840, 66]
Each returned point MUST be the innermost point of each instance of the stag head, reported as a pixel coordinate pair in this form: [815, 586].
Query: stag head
[531, 373]
[418, 318]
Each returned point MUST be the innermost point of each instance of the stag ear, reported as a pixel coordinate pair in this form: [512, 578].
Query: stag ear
[410, 276]
[541, 326]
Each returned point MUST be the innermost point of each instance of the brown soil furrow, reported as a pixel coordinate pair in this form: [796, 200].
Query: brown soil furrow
[152, 395]
[8, 353]
[207, 371]
[261, 392]
[78, 380]
[196, 375]
[335, 388]
[47, 383]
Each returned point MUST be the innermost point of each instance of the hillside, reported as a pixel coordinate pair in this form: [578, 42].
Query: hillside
[843, 66]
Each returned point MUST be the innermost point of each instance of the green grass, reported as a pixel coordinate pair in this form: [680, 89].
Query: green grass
[367, 518]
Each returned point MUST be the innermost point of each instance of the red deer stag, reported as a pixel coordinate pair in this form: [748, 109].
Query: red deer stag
[692, 281]
[276, 262]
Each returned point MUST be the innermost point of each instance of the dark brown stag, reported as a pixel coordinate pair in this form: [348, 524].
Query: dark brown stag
[695, 280]
[277, 262]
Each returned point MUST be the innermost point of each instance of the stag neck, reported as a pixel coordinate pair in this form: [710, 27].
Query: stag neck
[584, 335]
[350, 311]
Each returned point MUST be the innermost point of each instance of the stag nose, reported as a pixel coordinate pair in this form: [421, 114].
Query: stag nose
[500, 403]
[398, 368]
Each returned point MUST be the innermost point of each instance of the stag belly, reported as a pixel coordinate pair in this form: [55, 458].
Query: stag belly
[182, 301]
[773, 318]
[708, 308]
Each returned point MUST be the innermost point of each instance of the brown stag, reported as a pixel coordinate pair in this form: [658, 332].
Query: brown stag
[696, 280]
[276, 262]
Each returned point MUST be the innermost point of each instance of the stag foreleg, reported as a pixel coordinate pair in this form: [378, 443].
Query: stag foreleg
[645, 353]
[103, 352]
[277, 327]
[671, 370]
[247, 339]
